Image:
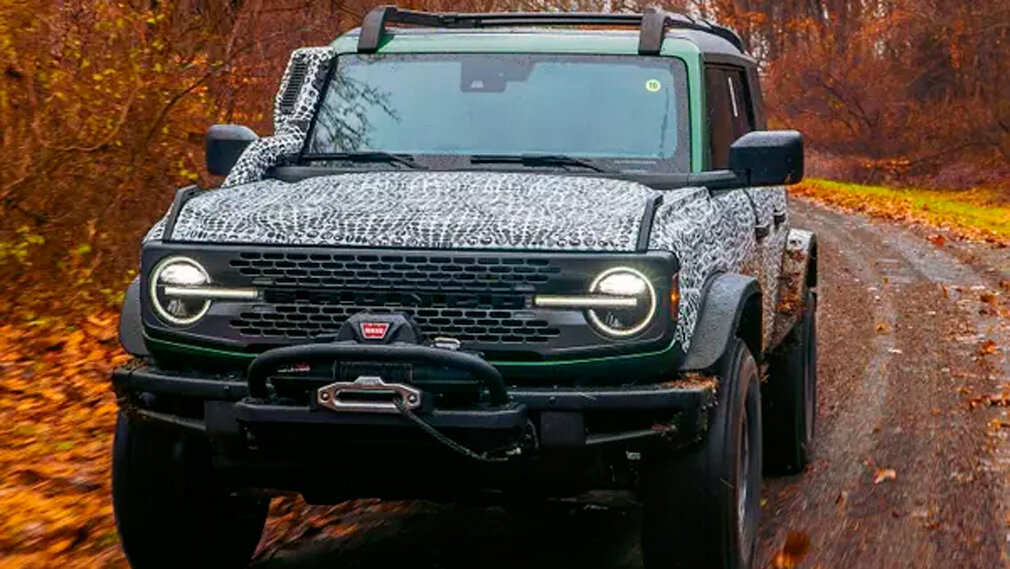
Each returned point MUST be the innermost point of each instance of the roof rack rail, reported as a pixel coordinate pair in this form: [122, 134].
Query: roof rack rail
[652, 24]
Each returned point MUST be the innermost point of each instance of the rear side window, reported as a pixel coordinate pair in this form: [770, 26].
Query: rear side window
[730, 111]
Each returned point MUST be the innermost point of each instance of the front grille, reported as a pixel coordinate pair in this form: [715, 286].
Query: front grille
[481, 298]
[397, 272]
[293, 321]
[473, 299]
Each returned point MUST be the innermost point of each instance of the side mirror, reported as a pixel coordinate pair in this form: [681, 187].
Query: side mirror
[225, 144]
[768, 158]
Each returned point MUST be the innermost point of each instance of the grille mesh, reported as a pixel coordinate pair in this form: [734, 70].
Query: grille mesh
[417, 272]
[473, 299]
[294, 321]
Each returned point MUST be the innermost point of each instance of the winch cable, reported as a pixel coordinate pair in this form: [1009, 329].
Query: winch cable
[438, 436]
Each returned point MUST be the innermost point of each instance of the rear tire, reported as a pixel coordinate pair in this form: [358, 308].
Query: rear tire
[169, 512]
[790, 396]
[701, 507]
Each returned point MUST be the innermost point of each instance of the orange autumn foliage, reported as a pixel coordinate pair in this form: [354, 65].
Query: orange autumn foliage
[104, 106]
[793, 553]
[888, 91]
[57, 413]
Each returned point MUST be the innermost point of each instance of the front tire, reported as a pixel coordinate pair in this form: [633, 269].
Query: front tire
[169, 512]
[701, 507]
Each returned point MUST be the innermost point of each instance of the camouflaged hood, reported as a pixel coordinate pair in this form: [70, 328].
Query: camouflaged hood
[430, 210]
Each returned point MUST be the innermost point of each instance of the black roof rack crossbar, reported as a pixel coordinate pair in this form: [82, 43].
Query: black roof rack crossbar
[652, 24]
[656, 22]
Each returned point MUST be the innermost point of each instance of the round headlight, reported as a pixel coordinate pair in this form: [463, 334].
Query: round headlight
[624, 321]
[168, 277]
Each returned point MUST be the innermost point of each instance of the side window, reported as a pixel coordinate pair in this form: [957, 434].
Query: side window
[730, 111]
[743, 109]
[720, 118]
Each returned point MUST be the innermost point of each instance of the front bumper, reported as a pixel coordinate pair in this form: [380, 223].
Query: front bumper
[561, 432]
[221, 407]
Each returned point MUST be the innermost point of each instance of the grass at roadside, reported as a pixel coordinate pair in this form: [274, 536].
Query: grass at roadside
[975, 214]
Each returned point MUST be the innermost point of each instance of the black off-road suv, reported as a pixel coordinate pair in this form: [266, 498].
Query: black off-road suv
[483, 255]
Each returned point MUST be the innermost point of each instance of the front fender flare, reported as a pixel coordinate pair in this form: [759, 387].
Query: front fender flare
[131, 326]
[728, 298]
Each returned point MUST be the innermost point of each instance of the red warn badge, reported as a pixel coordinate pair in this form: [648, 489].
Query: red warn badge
[374, 330]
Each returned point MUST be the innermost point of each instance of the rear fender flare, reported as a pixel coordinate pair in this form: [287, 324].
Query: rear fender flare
[799, 272]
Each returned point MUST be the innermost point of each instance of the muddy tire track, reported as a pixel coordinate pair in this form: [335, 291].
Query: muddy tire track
[946, 506]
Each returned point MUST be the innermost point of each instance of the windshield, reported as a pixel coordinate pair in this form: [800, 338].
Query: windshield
[628, 112]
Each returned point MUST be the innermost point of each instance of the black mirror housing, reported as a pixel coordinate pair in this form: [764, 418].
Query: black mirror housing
[225, 143]
[768, 158]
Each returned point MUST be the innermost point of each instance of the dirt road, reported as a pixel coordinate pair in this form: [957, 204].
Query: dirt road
[903, 326]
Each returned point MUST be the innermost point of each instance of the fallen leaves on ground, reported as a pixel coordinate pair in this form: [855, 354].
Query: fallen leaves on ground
[58, 412]
[292, 520]
[988, 348]
[990, 303]
[996, 400]
[693, 380]
[884, 474]
[794, 551]
[842, 498]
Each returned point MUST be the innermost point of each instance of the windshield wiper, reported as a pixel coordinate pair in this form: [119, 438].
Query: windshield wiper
[387, 157]
[538, 160]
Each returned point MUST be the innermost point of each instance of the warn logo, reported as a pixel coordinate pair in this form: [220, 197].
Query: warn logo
[374, 330]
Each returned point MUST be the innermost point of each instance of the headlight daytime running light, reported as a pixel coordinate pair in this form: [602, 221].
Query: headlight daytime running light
[623, 282]
[178, 273]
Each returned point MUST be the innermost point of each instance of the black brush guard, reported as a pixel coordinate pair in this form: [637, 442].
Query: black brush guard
[387, 403]
[268, 362]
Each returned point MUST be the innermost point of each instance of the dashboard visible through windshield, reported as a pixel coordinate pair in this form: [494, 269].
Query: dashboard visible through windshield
[621, 113]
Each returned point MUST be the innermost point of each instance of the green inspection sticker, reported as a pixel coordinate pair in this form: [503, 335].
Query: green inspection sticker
[653, 85]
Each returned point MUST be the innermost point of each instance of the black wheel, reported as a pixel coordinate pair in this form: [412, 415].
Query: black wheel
[790, 396]
[701, 506]
[168, 511]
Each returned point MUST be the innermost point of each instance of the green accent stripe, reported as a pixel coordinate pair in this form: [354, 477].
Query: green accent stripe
[188, 348]
[601, 359]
